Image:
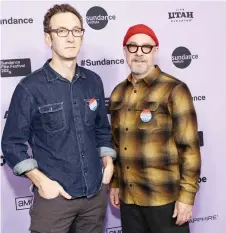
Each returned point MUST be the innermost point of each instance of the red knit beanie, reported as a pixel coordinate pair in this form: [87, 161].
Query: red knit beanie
[140, 29]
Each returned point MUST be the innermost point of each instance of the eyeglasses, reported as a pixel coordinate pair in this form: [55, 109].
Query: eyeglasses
[132, 48]
[63, 32]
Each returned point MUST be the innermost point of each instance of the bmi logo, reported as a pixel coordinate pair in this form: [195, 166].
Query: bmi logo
[23, 202]
[182, 57]
[180, 15]
[114, 230]
[97, 18]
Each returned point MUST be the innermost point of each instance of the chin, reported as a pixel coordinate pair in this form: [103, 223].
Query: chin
[69, 57]
[138, 71]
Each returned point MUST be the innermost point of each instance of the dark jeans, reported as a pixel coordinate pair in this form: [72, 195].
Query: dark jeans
[153, 219]
[58, 215]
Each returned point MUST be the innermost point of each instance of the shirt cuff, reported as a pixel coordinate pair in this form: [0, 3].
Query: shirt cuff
[186, 197]
[25, 166]
[107, 151]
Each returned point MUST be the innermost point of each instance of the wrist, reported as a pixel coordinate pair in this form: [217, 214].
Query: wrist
[107, 160]
[37, 177]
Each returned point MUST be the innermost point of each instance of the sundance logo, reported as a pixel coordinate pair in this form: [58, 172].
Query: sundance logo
[16, 21]
[23, 202]
[182, 57]
[104, 62]
[114, 230]
[15, 67]
[199, 98]
[97, 18]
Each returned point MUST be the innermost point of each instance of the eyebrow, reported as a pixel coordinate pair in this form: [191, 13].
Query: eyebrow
[75, 27]
[134, 43]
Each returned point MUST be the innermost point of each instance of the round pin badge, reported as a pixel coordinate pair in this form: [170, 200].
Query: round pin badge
[145, 115]
[93, 104]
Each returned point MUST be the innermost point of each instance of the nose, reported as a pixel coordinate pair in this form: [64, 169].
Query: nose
[70, 37]
[139, 52]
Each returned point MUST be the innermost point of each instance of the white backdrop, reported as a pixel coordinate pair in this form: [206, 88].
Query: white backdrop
[200, 27]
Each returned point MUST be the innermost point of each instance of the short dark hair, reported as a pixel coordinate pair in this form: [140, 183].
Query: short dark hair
[56, 9]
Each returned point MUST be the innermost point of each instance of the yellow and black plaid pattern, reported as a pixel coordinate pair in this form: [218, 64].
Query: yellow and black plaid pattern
[158, 161]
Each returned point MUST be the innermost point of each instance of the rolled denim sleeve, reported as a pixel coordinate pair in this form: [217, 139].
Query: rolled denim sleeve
[102, 128]
[17, 132]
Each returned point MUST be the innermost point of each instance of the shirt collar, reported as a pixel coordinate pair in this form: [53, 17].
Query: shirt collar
[52, 75]
[153, 75]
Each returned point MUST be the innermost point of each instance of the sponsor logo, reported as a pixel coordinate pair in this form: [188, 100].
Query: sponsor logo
[204, 219]
[201, 138]
[16, 21]
[107, 105]
[199, 98]
[23, 202]
[15, 67]
[104, 62]
[202, 180]
[180, 16]
[3, 162]
[182, 57]
[97, 18]
[114, 230]
[6, 115]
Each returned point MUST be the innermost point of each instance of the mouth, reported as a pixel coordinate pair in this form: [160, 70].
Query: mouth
[70, 48]
[139, 61]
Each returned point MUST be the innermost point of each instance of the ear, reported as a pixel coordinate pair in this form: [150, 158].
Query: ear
[124, 51]
[48, 39]
[156, 49]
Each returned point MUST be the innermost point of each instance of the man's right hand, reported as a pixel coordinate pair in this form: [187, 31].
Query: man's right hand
[114, 197]
[50, 189]
[47, 188]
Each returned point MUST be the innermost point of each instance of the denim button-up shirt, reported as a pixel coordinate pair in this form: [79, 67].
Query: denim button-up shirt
[66, 126]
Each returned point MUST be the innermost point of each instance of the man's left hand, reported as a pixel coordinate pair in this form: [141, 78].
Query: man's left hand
[108, 169]
[183, 212]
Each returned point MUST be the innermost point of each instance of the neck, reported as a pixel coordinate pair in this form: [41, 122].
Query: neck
[65, 68]
[136, 77]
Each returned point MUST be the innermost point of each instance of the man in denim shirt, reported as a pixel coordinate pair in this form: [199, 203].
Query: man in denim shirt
[60, 111]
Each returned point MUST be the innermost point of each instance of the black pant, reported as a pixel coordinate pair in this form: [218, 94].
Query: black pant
[153, 219]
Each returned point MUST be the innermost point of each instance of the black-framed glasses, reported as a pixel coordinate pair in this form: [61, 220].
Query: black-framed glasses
[63, 32]
[133, 48]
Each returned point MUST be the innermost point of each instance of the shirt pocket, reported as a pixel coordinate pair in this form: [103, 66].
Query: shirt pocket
[91, 109]
[146, 116]
[53, 117]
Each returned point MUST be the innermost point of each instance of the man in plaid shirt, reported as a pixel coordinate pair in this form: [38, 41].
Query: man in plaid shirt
[154, 127]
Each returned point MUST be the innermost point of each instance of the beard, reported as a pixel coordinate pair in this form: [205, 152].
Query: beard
[139, 66]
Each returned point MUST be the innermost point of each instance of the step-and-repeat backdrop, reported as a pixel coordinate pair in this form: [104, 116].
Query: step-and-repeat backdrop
[192, 39]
